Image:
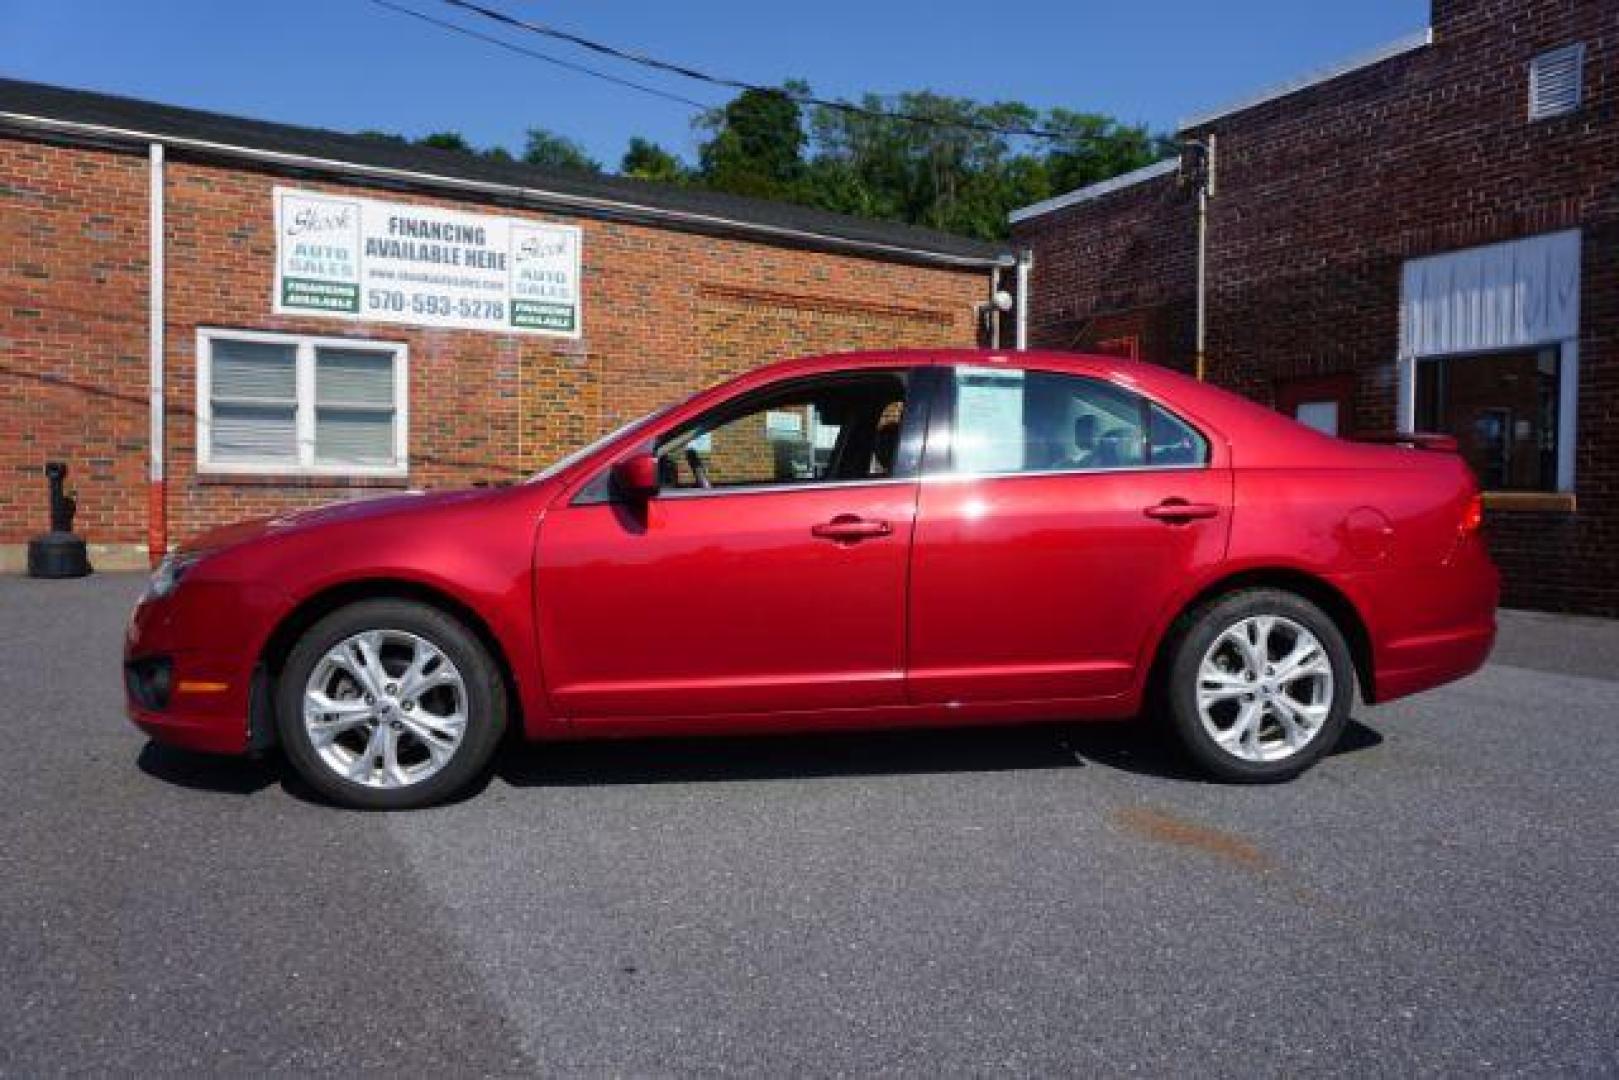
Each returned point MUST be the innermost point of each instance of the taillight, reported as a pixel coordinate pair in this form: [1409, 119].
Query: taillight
[1473, 515]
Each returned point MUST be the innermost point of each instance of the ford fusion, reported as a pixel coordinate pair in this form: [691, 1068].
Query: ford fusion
[869, 540]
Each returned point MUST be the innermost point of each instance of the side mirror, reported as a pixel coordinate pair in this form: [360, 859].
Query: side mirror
[636, 477]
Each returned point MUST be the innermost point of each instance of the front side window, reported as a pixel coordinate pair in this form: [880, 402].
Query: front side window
[1008, 420]
[1502, 408]
[274, 403]
[839, 428]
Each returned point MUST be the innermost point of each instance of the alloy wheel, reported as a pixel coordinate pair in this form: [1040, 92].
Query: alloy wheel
[1264, 688]
[385, 709]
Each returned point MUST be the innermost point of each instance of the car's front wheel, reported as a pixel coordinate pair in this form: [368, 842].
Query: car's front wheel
[389, 704]
[1260, 685]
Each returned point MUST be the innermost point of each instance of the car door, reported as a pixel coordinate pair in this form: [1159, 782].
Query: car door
[766, 575]
[1060, 515]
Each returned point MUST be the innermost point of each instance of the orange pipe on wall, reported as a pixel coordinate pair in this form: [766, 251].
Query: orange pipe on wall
[157, 521]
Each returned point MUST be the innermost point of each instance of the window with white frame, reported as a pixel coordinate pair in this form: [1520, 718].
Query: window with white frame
[1490, 352]
[283, 403]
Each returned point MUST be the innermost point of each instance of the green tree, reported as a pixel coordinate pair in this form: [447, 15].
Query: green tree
[446, 140]
[917, 157]
[755, 146]
[943, 162]
[939, 165]
[557, 152]
[646, 160]
[1098, 148]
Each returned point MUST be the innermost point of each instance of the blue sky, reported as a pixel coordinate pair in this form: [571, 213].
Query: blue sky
[348, 64]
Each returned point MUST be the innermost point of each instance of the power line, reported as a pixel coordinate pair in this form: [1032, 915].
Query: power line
[739, 84]
[445, 24]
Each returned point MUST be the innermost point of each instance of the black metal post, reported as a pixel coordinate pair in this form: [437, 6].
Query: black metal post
[59, 553]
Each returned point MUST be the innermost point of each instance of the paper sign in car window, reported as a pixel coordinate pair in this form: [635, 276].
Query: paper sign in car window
[989, 420]
[784, 426]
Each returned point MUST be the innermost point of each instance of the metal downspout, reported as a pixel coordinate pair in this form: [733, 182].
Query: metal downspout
[1025, 268]
[157, 523]
[1205, 191]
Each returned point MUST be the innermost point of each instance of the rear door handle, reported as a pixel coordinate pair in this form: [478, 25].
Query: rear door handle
[849, 529]
[1175, 511]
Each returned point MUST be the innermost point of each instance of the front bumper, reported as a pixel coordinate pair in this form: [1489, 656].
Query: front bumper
[190, 660]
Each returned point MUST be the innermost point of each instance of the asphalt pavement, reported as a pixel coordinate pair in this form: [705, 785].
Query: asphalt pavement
[1441, 896]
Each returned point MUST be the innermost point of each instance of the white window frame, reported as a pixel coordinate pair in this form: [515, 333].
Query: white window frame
[1488, 317]
[304, 376]
[1568, 397]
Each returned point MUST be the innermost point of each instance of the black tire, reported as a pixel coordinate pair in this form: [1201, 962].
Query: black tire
[1179, 693]
[485, 704]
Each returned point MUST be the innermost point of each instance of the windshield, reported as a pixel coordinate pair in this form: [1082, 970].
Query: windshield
[583, 452]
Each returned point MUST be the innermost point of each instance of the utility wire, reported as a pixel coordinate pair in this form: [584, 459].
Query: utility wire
[738, 84]
[537, 55]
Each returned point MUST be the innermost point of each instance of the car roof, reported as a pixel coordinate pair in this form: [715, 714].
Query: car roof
[1137, 372]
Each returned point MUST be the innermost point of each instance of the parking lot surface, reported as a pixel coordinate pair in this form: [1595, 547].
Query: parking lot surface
[1438, 897]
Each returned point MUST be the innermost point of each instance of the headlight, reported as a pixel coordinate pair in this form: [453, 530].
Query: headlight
[167, 576]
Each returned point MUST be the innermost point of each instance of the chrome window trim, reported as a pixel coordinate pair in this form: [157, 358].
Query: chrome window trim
[954, 476]
[767, 489]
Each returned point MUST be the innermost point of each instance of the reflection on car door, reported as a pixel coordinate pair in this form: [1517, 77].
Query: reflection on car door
[783, 591]
[1049, 543]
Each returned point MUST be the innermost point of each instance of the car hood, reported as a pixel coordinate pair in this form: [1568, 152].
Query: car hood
[410, 502]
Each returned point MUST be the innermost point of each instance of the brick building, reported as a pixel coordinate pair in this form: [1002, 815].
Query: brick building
[322, 314]
[1427, 236]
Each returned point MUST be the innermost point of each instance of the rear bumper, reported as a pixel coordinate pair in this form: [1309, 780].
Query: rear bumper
[1430, 625]
[1422, 663]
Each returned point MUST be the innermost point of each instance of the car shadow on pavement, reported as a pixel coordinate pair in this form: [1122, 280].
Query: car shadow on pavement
[208, 772]
[1135, 747]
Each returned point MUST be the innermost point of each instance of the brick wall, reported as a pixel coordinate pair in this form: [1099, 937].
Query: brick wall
[1119, 266]
[664, 313]
[1322, 195]
[73, 368]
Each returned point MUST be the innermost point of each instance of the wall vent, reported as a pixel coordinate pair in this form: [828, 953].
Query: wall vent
[1554, 82]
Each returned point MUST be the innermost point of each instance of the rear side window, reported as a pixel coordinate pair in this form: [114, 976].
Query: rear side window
[1009, 420]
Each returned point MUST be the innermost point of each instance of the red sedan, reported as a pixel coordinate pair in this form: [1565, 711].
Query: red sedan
[856, 541]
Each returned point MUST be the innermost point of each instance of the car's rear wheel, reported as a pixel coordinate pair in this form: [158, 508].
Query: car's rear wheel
[389, 704]
[1260, 685]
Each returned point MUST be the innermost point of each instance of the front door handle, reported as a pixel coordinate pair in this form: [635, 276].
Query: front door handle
[850, 529]
[1176, 511]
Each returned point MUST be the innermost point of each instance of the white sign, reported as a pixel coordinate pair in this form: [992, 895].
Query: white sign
[356, 258]
[989, 419]
[788, 426]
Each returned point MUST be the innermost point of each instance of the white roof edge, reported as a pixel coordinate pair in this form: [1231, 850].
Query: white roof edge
[1409, 43]
[1094, 191]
